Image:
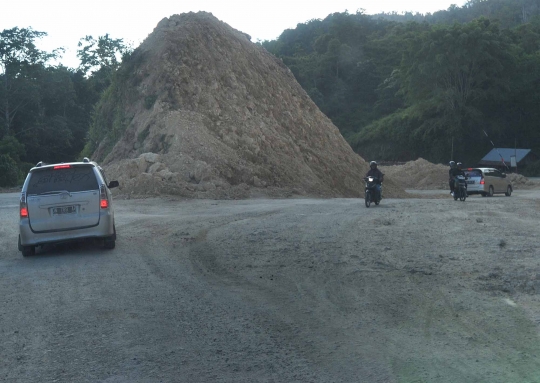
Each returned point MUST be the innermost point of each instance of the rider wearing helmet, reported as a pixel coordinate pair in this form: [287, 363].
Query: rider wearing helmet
[451, 175]
[374, 172]
[455, 170]
[458, 171]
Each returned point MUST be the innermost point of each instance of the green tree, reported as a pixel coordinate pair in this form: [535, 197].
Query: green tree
[18, 58]
[454, 70]
[9, 173]
[398, 89]
[11, 147]
[103, 52]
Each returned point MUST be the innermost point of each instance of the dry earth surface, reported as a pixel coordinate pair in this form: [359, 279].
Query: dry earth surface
[284, 290]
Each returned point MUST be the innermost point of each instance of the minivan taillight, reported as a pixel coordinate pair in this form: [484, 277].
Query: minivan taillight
[103, 198]
[482, 182]
[23, 207]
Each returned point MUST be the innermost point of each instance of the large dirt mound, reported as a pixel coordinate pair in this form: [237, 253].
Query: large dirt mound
[213, 115]
[419, 174]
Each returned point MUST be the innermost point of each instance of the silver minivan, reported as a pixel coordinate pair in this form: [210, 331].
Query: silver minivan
[66, 202]
[487, 182]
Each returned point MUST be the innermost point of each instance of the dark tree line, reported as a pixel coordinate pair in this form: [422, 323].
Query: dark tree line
[403, 86]
[45, 110]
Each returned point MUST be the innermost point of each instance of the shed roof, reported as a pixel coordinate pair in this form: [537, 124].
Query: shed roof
[495, 154]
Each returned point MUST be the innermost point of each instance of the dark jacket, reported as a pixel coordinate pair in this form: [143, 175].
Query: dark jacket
[454, 172]
[375, 173]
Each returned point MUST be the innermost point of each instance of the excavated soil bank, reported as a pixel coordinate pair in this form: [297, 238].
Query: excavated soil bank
[213, 115]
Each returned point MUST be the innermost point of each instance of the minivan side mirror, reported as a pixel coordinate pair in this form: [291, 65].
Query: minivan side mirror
[503, 175]
[113, 184]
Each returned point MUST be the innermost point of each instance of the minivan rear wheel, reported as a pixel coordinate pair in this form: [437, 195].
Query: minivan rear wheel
[26, 250]
[110, 243]
[508, 191]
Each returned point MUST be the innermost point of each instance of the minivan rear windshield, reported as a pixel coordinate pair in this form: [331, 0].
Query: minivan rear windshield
[473, 173]
[72, 179]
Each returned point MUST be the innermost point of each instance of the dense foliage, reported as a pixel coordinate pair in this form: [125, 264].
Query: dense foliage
[45, 110]
[403, 86]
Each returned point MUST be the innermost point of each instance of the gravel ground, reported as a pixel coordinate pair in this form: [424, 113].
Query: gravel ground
[296, 290]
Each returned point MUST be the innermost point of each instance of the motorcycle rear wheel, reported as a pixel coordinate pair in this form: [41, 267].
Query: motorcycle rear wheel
[462, 194]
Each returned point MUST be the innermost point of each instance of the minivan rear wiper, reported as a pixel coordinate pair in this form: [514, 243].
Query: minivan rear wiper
[56, 192]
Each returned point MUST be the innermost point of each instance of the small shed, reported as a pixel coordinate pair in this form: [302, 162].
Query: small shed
[496, 157]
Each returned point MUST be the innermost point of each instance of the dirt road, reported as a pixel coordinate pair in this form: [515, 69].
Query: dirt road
[298, 290]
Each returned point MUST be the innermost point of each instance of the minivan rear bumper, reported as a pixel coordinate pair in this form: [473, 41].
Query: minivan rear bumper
[476, 191]
[105, 228]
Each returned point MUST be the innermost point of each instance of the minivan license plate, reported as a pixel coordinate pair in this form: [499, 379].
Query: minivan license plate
[470, 182]
[64, 210]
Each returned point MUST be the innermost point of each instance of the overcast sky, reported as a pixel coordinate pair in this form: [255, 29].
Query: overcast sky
[67, 21]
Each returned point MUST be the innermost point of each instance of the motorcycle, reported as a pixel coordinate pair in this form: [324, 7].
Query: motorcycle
[372, 194]
[460, 188]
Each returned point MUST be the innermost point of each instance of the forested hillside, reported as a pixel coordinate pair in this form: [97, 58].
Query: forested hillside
[403, 86]
[46, 109]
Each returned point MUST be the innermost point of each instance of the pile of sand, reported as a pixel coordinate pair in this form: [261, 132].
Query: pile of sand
[521, 182]
[213, 115]
[419, 174]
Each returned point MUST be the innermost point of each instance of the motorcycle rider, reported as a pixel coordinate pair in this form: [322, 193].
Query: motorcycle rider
[452, 176]
[457, 170]
[374, 172]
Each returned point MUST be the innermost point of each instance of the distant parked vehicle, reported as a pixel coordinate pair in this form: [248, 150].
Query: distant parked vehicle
[66, 202]
[487, 182]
